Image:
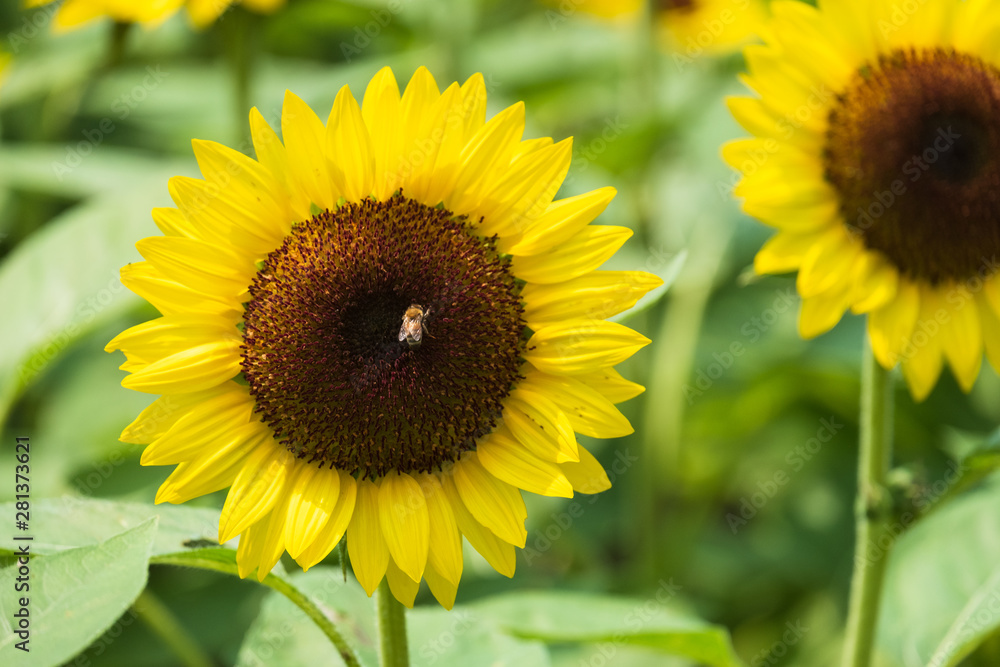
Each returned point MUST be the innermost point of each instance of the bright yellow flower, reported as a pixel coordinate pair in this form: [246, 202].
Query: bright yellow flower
[75, 13]
[384, 328]
[877, 158]
[693, 27]
[689, 28]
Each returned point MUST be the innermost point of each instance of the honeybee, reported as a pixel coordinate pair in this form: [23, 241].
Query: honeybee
[414, 325]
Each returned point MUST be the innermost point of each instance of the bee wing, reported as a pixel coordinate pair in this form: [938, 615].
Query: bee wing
[402, 332]
[417, 334]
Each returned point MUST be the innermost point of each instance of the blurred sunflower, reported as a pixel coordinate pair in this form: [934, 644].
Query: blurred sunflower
[710, 26]
[877, 157]
[688, 26]
[74, 13]
[384, 327]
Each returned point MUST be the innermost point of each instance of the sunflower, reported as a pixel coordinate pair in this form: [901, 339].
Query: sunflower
[693, 27]
[688, 28]
[876, 156]
[383, 328]
[72, 14]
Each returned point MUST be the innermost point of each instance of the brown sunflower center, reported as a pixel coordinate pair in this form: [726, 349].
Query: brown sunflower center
[382, 335]
[677, 5]
[913, 149]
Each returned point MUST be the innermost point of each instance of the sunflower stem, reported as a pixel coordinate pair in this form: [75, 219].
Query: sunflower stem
[296, 596]
[164, 625]
[872, 509]
[240, 40]
[391, 616]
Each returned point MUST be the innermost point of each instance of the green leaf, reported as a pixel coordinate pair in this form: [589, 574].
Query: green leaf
[58, 524]
[76, 595]
[464, 637]
[283, 635]
[943, 583]
[666, 269]
[656, 623]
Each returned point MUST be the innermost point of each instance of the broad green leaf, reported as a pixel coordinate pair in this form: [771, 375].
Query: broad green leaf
[74, 596]
[283, 636]
[656, 623]
[465, 637]
[58, 524]
[943, 583]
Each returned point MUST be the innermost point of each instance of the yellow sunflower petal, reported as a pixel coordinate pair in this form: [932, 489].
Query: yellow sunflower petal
[588, 411]
[611, 384]
[444, 554]
[597, 295]
[274, 540]
[313, 493]
[333, 530]
[510, 461]
[494, 503]
[403, 588]
[202, 266]
[889, 327]
[352, 159]
[193, 369]
[497, 553]
[490, 148]
[212, 469]
[584, 252]
[562, 220]
[200, 428]
[166, 411]
[304, 136]
[251, 547]
[442, 589]
[962, 335]
[587, 476]
[365, 544]
[403, 515]
[580, 346]
[380, 110]
[171, 297]
[256, 489]
[539, 424]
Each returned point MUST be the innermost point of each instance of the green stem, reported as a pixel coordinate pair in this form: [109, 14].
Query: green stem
[298, 598]
[392, 651]
[240, 46]
[157, 616]
[872, 510]
[117, 44]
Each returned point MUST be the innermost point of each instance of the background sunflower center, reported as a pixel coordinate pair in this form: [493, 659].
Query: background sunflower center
[913, 149]
[321, 348]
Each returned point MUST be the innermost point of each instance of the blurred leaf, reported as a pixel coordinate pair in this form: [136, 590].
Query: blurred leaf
[558, 617]
[942, 584]
[62, 282]
[667, 272]
[58, 524]
[75, 595]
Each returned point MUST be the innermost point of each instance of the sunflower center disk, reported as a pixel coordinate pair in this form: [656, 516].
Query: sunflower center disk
[913, 149]
[322, 349]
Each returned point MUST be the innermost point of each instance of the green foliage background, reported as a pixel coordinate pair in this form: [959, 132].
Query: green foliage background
[735, 493]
